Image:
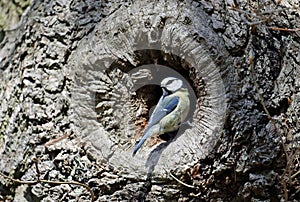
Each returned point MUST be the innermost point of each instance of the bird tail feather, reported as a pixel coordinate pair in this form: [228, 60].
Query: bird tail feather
[151, 132]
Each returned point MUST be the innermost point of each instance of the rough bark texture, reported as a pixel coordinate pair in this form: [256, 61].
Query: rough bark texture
[66, 98]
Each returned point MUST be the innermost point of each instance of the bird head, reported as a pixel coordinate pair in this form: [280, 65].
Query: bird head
[171, 84]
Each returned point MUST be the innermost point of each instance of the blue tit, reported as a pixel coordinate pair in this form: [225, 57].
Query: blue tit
[171, 110]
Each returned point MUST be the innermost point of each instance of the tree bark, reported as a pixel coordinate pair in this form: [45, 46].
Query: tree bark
[79, 79]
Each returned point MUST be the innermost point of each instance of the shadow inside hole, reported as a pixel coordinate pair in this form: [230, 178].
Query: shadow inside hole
[150, 94]
[168, 136]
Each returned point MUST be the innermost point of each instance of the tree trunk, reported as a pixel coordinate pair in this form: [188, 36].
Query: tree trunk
[80, 78]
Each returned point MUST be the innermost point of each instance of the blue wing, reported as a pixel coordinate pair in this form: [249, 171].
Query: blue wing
[165, 105]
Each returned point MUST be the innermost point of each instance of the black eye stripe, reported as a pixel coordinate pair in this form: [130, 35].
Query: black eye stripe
[169, 82]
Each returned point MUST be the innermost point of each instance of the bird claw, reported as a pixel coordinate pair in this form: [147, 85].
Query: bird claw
[188, 123]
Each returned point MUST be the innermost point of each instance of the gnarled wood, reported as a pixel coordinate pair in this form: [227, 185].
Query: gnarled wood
[74, 93]
[105, 98]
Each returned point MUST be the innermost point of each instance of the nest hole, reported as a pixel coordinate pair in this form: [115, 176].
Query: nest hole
[148, 96]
